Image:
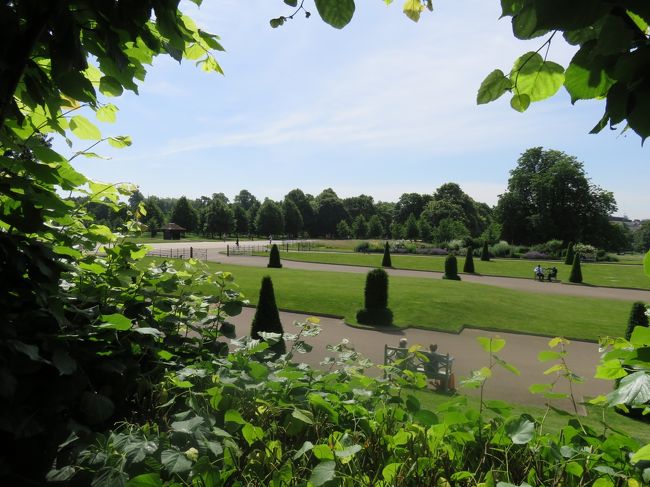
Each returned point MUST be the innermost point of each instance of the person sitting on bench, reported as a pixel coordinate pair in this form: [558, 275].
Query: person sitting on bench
[539, 272]
[552, 273]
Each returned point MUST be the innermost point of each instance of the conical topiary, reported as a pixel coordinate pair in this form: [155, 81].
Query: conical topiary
[568, 258]
[375, 311]
[576, 271]
[638, 317]
[451, 268]
[386, 262]
[469, 261]
[274, 258]
[267, 316]
[485, 254]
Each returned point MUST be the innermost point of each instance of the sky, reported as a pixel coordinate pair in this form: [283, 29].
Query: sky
[383, 107]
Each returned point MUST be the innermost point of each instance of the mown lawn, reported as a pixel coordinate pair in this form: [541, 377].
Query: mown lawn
[601, 274]
[440, 305]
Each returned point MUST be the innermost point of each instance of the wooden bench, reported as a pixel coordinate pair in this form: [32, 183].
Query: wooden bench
[436, 366]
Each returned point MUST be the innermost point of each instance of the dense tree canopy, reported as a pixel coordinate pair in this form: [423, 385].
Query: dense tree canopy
[550, 197]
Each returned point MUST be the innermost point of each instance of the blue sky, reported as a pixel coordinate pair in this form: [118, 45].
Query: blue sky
[382, 107]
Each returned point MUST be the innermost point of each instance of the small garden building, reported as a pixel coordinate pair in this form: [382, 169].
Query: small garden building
[171, 231]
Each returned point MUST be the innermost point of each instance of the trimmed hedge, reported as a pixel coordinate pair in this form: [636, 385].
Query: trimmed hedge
[267, 316]
[469, 261]
[576, 271]
[375, 311]
[637, 318]
[570, 254]
[451, 268]
[485, 253]
[386, 262]
[274, 258]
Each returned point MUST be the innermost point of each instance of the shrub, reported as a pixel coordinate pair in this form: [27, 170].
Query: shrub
[576, 271]
[568, 258]
[469, 261]
[267, 316]
[552, 248]
[386, 262]
[274, 258]
[375, 311]
[485, 253]
[451, 268]
[638, 317]
[362, 247]
[432, 251]
[501, 249]
[534, 255]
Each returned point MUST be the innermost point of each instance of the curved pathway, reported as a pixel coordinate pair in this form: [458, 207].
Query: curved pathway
[520, 350]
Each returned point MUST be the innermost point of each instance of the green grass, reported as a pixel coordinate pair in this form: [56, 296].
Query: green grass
[601, 274]
[440, 305]
[554, 421]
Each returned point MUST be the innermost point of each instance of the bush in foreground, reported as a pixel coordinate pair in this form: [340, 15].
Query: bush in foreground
[375, 311]
[274, 258]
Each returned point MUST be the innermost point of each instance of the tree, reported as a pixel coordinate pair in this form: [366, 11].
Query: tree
[642, 237]
[396, 231]
[386, 261]
[218, 218]
[274, 258]
[375, 228]
[410, 204]
[451, 268]
[576, 271]
[329, 212]
[154, 218]
[570, 254]
[292, 218]
[448, 230]
[549, 197]
[469, 261]
[638, 317]
[246, 200]
[267, 317]
[305, 205]
[135, 199]
[241, 221]
[184, 215]
[375, 310]
[343, 230]
[359, 205]
[411, 230]
[360, 227]
[269, 220]
[485, 253]
[426, 230]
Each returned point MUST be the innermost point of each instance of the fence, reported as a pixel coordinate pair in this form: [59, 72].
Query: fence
[264, 247]
[180, 253]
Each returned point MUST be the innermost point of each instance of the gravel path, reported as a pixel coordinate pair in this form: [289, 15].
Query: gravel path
[520, 350]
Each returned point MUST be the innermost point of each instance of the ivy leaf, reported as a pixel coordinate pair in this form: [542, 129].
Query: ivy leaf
[413, 9]
[323, 473]
[494, 85]
[84, 128]
[521, 429]
[175, 462]
[336, 13]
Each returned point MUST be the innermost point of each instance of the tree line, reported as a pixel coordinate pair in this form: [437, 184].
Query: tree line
[549, 197]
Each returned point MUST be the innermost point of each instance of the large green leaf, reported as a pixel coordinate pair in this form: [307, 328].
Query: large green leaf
[535, 77]
[323, 473]
[413, 9]
[145, 480]
[494, 85]
[175, 461]
[110, 86]
[643, 454]
[116, 321]
[587, 75]
[84, 128]
[336, 13]
[632, 390]
[520, 430]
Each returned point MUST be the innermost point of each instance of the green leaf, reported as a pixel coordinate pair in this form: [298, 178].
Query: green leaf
[116, 321]
[574, 469]
[306, 446]
[587, 75]
[610, 370]
[603, 482]
[520, 102]
[494, 85]
[632, 390]
[61, 475]
[323, 452]
[640, 337]
[303, 416]
[69, 251]
[233, 416]
[145, 480]
[511, 7]
[413, 9]
[109, 86]
[188, 426]
[491, 345]
[252, 433]
[97, 408]
[120, 141]
[520, 430]
[426, 417]
[277, 22]
[508, 366]
[107, 113]
[643, 454]
[336, 13]
[535, 77]
[546, 355]
[323, 472]
[539, 388]
[175, 462]
[291, 3]
[390, 471]
[84, 128]
[350, 451]
[65, 364]
[524, 23]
